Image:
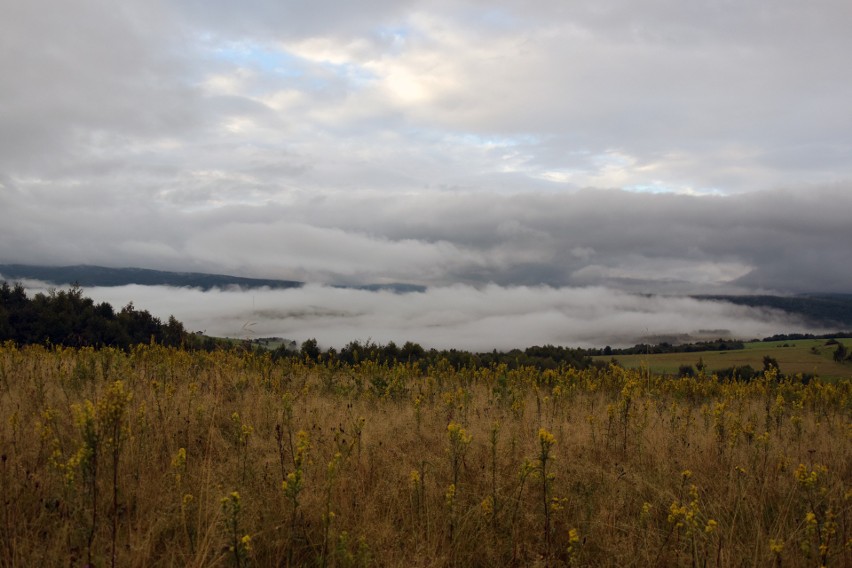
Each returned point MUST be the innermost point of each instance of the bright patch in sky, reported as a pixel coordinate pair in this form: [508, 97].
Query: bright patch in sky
[262, 58]
[658, 187]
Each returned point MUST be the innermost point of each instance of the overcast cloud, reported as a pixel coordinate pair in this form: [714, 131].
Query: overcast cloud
[647, 146]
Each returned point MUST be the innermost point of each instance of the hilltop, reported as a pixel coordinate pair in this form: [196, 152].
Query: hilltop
[88, 275]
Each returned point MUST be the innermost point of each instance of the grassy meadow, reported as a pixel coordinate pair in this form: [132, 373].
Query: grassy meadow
[162, 457]
[794, 357]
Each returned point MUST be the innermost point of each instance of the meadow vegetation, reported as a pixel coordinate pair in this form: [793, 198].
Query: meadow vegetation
[157, 456]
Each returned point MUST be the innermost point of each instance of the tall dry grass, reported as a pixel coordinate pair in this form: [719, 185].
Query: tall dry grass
[161, 457]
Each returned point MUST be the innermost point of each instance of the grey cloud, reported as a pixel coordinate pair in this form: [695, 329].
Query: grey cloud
[77, 75]
[717, 237]
[782, 241]
[433, 142]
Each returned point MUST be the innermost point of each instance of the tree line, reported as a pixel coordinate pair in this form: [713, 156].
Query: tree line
[68, 318]
[540, 357]
[665, 347]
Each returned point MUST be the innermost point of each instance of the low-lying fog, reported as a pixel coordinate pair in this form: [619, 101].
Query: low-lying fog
[462, 317]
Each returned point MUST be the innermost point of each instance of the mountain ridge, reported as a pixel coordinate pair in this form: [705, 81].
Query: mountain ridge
[87, 275]
[830, 310]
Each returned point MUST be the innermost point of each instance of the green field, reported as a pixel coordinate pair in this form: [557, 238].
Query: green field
[794, 357]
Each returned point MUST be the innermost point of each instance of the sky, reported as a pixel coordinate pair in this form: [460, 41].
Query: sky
[632, 147]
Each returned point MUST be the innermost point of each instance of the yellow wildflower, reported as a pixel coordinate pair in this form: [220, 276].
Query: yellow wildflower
[573, 536]
[545, 437]
[711, 526]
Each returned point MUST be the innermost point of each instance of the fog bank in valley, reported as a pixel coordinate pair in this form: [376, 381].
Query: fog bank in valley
[463, 317]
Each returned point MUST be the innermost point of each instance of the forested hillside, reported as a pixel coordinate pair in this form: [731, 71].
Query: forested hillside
[85, 275]
[827, 310]
[68, 318]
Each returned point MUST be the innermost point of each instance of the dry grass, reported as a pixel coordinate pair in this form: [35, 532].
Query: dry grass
[182, 464]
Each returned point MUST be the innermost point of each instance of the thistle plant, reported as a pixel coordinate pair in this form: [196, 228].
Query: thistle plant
[592, 421]
[357, 434]
[186, 499]
[629, 393]
[776, 547]
[344, 554]
[573, 550]
[418, 414]
[720, 425]
[179, 467]
[293, 484]
[459, 442]
[286, 430]
[243, 432]
[111, 412]
[819, 523]
[495, 503]
[777, 411]
[101, 428]
[796, 422]
[415, 481]
[238, 545]
[344, 450]
[546, 442]
[417, 484]
[688, 519]
[86, 459]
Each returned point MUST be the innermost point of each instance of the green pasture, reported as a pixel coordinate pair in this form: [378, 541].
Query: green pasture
[795, 356]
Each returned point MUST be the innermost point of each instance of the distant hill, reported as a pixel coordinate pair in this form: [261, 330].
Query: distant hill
[395, 288]
[832, 311]
[88, 276]
[827, 310]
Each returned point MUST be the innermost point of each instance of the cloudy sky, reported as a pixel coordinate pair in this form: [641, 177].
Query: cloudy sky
[650, 146]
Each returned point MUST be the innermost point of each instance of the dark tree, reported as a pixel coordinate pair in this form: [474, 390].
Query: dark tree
[173, 333]
[310, 350]
[840, 353]
[770, 363]
[411, 352]
[66, 317]
[686, 370]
